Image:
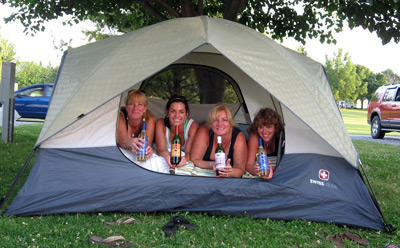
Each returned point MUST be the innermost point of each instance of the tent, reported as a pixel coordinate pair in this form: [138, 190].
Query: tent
[79, 167]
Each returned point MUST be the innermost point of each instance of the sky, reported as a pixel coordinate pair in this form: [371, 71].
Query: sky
[364, 48]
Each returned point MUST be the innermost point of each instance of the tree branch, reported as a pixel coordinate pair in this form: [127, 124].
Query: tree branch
[232, 8]
[200, 7]
[152, 10]
[187, 8]
[167, 7]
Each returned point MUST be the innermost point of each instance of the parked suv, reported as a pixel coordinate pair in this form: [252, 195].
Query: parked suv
[384, 110]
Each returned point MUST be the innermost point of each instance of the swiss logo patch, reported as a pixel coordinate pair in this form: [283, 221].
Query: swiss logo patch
[323, 175]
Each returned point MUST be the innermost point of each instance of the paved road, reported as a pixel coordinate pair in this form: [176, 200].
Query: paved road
[390, 140]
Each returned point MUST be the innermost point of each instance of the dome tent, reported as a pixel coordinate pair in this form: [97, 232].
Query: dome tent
[79, 167]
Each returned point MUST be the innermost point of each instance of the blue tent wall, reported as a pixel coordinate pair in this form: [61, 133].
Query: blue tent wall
[102, 179]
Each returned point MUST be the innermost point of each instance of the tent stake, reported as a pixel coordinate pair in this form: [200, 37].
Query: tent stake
[389, 227]
[5, 198]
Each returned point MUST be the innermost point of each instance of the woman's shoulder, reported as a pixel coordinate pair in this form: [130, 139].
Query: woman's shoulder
[203, 130]
[193, 123]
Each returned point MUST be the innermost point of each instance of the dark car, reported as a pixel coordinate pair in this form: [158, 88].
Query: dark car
[384, 110]
[33, 101]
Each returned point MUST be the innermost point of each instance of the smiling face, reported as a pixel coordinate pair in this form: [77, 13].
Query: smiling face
[135, 108]
[177, 114]
[221, 125]
[266, 132]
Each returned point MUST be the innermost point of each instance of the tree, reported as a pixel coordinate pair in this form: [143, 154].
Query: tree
[346, 83]
[279, 19]
[301, 50]
[391, 76]
[7, 53]
[31, 73]
[368, 77]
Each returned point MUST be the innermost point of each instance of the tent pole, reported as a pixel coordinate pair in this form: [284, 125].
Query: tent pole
[5, 198]
[389, 227]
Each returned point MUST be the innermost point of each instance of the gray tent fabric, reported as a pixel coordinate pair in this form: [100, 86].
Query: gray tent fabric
[79, 167]
[100, 180]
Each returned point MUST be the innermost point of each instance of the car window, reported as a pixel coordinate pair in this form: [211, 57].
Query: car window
[48, 91]
[377, 94]
[389, 95]
[397, 99]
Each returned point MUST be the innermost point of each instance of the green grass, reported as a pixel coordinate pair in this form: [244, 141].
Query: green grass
[73, 230]
[355, 121]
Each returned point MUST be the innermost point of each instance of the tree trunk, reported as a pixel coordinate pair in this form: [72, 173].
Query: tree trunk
[211, 86]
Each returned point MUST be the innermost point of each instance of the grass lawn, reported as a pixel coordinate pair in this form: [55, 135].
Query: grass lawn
[73, 230]
[355, 121]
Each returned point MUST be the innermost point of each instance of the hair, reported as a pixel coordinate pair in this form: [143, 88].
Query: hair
[215, 112]
[267, 116]
[172, 99]
[141, 95]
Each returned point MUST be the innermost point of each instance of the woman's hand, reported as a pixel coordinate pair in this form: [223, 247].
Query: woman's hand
[149, 152]
[227, 171]
[182, 163]
[257, 169]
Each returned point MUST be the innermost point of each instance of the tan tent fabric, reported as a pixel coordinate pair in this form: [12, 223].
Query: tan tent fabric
[265, 71]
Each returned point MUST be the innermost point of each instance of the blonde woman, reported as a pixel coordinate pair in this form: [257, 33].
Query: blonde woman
[130, 123]
[221, 124]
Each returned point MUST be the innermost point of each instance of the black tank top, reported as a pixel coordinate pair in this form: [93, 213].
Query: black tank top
[125, 113]
[235, 133]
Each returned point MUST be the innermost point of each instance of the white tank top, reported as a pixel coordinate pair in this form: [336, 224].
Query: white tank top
[186, 127]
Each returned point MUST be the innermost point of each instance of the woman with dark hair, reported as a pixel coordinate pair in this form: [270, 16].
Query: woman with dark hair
[130, 123]
[221, 124]
[177, 114]
[267, 125]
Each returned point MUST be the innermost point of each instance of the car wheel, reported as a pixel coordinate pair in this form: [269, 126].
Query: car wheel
[376, 131]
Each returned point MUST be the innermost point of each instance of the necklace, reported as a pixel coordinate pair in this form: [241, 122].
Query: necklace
[134, 129]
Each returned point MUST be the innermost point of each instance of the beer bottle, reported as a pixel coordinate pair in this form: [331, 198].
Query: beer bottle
[141, 154]
[176, 148]
[219, 156]
[262, 159]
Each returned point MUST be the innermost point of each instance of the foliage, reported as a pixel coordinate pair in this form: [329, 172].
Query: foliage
[31, 73]
[301, 50]
[183, 81]
[74, 230]
[345, 83]
[279, 19]
[391, 76]
[7, 53]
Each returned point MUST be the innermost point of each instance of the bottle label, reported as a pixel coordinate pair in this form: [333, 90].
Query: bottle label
[220, 161]
[262, 160]
[175, 150]
[142, 150]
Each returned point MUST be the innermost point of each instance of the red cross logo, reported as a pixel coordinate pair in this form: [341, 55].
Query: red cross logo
[323, 175]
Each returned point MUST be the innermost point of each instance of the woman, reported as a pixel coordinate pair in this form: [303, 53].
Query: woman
[268, 125]
[221, 124]
[177, 114]
[131, 120]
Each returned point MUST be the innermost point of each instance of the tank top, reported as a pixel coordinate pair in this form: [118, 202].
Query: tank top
[235, 133]
[125, 113]
[186, 127]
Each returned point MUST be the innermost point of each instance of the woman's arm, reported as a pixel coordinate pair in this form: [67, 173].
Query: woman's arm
[239, 156]
[150, 130]
[199, 148]
[252, 148]
[122, 131]
[191, 135]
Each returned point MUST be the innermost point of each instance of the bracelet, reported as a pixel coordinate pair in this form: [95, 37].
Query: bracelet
[210, 165]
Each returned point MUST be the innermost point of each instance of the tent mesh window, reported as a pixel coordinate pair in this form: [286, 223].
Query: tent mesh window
[200, 85]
